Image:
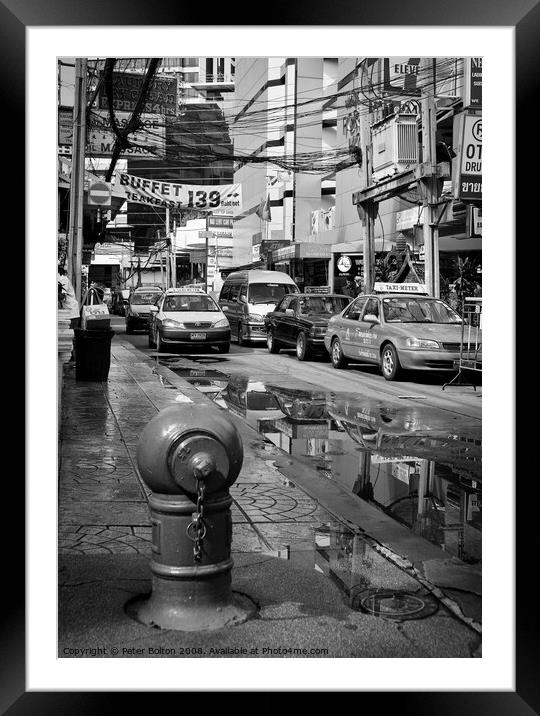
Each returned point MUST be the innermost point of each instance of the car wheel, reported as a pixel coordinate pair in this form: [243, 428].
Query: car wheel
[390, 365]
[272, 344]
[338, 359]
[302, 348]
[159, 342]
[224, 348]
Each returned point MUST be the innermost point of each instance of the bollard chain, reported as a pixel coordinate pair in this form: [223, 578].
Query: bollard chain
[196, 530]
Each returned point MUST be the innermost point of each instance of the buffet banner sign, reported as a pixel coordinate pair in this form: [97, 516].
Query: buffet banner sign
[203, 197]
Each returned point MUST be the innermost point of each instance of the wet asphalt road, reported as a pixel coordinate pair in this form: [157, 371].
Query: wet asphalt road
[256, 363]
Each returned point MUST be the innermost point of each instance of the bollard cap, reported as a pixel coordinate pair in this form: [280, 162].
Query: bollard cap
[199, 457]
[184, 441]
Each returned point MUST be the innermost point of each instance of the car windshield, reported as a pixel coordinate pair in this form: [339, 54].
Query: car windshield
[261, 401]
[269, 292]
[326, 305]
[186, 302]
[418, 310]
[141, 299]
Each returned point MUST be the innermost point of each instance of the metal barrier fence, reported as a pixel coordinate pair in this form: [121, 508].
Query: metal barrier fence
[470, 352]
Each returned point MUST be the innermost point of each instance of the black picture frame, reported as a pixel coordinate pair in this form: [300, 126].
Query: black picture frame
[15, 17]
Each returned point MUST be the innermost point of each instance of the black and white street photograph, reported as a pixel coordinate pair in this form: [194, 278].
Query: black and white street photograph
[274, 309]
[270, 314]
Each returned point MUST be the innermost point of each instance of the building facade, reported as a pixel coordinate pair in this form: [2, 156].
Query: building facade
[311, 224]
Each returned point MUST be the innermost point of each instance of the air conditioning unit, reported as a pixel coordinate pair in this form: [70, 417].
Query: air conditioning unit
[395, 145]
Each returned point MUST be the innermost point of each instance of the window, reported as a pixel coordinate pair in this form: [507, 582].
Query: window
[269, 292]
[143, 299]
[243, 292]
[293, 305]
[325, 304]
[355, 309]
[189, 302]
[284, 303]
[418, 310]
[372, 307]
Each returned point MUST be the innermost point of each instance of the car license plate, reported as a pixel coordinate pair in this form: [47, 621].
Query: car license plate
[197, 336]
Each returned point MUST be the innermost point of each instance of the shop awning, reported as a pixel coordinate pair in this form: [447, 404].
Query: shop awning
[303, 250]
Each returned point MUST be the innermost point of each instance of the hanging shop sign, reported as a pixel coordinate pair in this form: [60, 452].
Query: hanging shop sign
[126, 88]
[303, 250]
[468, 179]
[347, 265]
[474, 221]
[408, 218]
[400, 75]
[317, 289]
[473, 82]
[179, 196]
[65, 126]
[148, 142]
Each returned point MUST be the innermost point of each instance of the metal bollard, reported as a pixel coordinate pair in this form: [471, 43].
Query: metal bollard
[189, 456]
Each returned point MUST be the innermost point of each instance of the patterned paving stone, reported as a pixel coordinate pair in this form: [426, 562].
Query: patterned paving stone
[270, 503]
[105, 539]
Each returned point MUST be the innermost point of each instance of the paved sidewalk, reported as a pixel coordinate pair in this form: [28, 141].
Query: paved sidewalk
[298, 561]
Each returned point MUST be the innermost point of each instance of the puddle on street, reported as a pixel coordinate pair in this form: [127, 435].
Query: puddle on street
[420, 465]
[367, 580]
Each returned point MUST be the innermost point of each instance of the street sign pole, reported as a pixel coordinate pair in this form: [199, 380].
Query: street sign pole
[76, 194]
[206, 235]
[206, 251]
[431, 230]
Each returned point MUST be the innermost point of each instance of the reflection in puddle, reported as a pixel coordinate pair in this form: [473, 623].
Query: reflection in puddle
[420, 465]
[367, 580]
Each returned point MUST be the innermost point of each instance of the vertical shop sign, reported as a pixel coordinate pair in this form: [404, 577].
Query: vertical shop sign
[468, 180]
[473, 82]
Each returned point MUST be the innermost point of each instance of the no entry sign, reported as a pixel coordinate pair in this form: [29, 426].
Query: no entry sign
[99, 194]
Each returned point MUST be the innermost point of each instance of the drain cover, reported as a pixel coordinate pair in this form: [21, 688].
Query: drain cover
[394, 604]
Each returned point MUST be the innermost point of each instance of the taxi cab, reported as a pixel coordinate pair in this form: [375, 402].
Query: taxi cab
[398, 326]
[188, 316]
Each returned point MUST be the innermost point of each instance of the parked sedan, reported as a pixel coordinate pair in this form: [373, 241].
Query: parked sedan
[188, 317]
[403, 328]
[300, 321]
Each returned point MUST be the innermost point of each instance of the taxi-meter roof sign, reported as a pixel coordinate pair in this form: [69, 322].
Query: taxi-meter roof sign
[418, 288]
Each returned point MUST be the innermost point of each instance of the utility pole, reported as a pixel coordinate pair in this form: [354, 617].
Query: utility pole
[368, 212]
[430, 194]
[173, 247]
[206, 253]
[76, 194]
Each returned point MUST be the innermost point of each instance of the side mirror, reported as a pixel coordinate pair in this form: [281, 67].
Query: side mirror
[371, 318]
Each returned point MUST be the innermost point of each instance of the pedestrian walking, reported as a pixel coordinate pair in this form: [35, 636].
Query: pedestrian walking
[350, 288]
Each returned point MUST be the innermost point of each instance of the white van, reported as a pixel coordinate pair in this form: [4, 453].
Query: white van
[247, 296]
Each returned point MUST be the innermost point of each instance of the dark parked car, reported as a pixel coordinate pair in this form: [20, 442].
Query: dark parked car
[300, 321]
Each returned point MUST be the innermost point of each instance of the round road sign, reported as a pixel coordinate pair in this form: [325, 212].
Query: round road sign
[99, 194]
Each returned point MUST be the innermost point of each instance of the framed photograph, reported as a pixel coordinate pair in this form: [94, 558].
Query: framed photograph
[356, 62]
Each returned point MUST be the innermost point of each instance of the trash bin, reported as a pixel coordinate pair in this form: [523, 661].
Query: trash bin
[92, 354]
